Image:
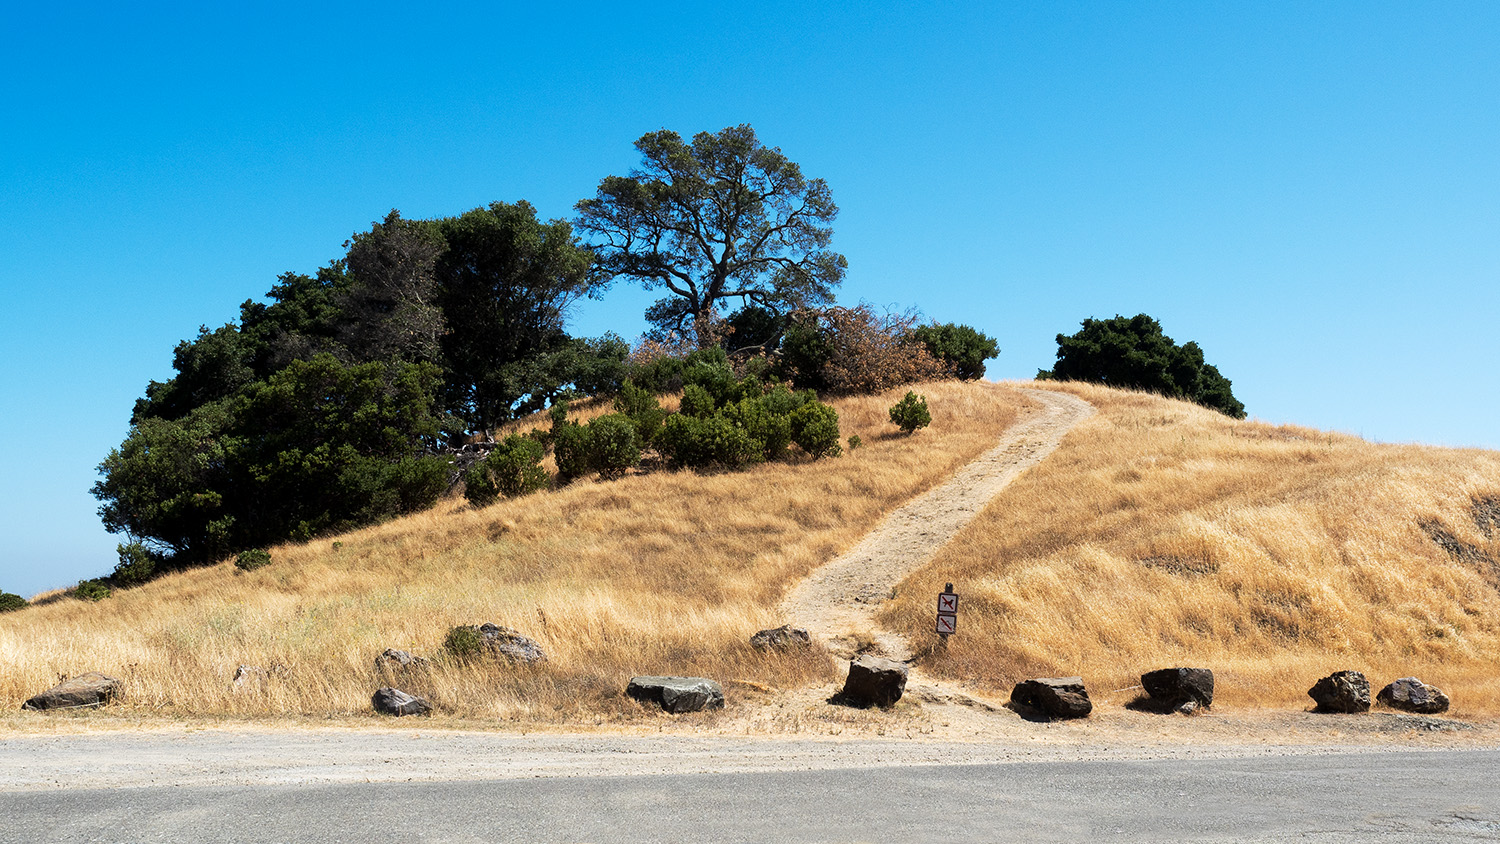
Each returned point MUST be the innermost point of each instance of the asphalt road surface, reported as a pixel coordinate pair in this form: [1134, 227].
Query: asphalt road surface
[1387, 796]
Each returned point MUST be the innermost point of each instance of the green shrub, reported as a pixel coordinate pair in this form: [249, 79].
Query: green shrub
[480, 488]
[91, 590]
[815, 429]
[697, 401]
[615, 446]
[252, 559]
[960, 347]
[10, 601]
[855, 442]
[136, 565]
[691, 441]
[516, 466]
[780, 401]
[464, 642]
[644, 411]
[910, 413]
[773, 431]
[571, 448]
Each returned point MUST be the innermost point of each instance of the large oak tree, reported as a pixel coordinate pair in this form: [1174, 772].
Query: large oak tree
[719, 219]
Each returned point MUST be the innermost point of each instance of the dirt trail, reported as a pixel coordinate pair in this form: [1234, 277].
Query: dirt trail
[842, 597]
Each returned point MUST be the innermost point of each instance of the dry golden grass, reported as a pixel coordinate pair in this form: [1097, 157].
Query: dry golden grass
[664, 573]
[1162, 534]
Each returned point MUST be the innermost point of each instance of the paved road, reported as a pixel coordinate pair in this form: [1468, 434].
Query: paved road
[1393, 796]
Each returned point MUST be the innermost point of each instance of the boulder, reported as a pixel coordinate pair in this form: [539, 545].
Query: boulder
[250, 677]
[392, 660]
[677, 694]
[91, 689]
[1413, 695]
[785, 637]
[873, 681]
[1055, 697]
[1173, 687]
[1342, 691]
[510, 645]
[389, 701]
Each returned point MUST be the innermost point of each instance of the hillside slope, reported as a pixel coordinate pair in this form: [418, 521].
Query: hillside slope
[1160, 534]
[651, 574]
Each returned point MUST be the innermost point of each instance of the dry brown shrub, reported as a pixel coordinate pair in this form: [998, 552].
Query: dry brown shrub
[872, 352]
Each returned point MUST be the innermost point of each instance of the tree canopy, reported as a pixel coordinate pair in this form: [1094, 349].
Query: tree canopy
[1133, 352]
[721, 218]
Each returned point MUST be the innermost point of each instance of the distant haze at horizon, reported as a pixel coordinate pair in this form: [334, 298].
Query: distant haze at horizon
[1310, 193]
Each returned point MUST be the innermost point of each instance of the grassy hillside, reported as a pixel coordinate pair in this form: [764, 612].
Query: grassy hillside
[659, 573]
[1163, 534]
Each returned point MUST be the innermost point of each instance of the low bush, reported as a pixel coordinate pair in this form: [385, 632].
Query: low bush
[252, 559]
[643, 410]
[91, 590]
[10, 602]
[697, 401]
[855, 442]
[572, 448]
[463, 642]
[911, 413]
[513, 467]
[136, 565]
[963, 349]
[614, 446]
[815, 429]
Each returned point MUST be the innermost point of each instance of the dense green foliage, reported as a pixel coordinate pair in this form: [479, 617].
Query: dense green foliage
[91, 590]
[10, 601]
[1132, 352]
[962, 348]
[137, 565]
[910, 413]
[252, 559]
[463, 642]
[719, 218]
[513, 467]
[815, 429]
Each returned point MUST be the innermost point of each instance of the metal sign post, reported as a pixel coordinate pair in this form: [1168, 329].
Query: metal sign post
[947, 614]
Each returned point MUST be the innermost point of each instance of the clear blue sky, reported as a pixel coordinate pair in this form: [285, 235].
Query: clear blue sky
[1309, 190]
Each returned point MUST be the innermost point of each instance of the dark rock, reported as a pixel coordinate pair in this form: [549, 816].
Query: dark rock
[785, 637]
[1342, 691]
[250, 677]
[677, 694]
[1413, 695]
[1172, 687]
[91, 689]
[389, 701]
[509, 644]
[873, 681]
[1055, 697]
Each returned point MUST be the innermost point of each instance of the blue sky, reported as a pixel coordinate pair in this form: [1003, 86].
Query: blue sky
[1309, 190]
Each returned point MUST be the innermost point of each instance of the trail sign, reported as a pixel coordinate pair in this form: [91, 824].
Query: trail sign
[947, 613]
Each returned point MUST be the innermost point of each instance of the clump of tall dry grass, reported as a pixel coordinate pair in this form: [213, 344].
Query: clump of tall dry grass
[661, 573]
[1163, 534]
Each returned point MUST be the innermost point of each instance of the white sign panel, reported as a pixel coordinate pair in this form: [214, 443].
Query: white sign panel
[947, 624]
[947, 602]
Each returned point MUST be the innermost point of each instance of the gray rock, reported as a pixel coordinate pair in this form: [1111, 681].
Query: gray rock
[873, 681]
[1413, 695]
[91, 689]
[677, 694]
[1172, 687]
[1342, 691]
[389, 701]
[785, 637]
[510, 645]
[394, 661]
[1055, 697]
[250, 677]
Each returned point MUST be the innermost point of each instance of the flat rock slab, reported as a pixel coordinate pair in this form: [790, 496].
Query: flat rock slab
[91, 689]
[1055, 697]
[1173, 687]
[389, 701]
[677, 694]
[1413, 695]
[873, 681]
[1342, 691]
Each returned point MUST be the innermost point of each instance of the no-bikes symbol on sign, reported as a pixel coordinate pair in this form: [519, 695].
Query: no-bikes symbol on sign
[947, 612]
